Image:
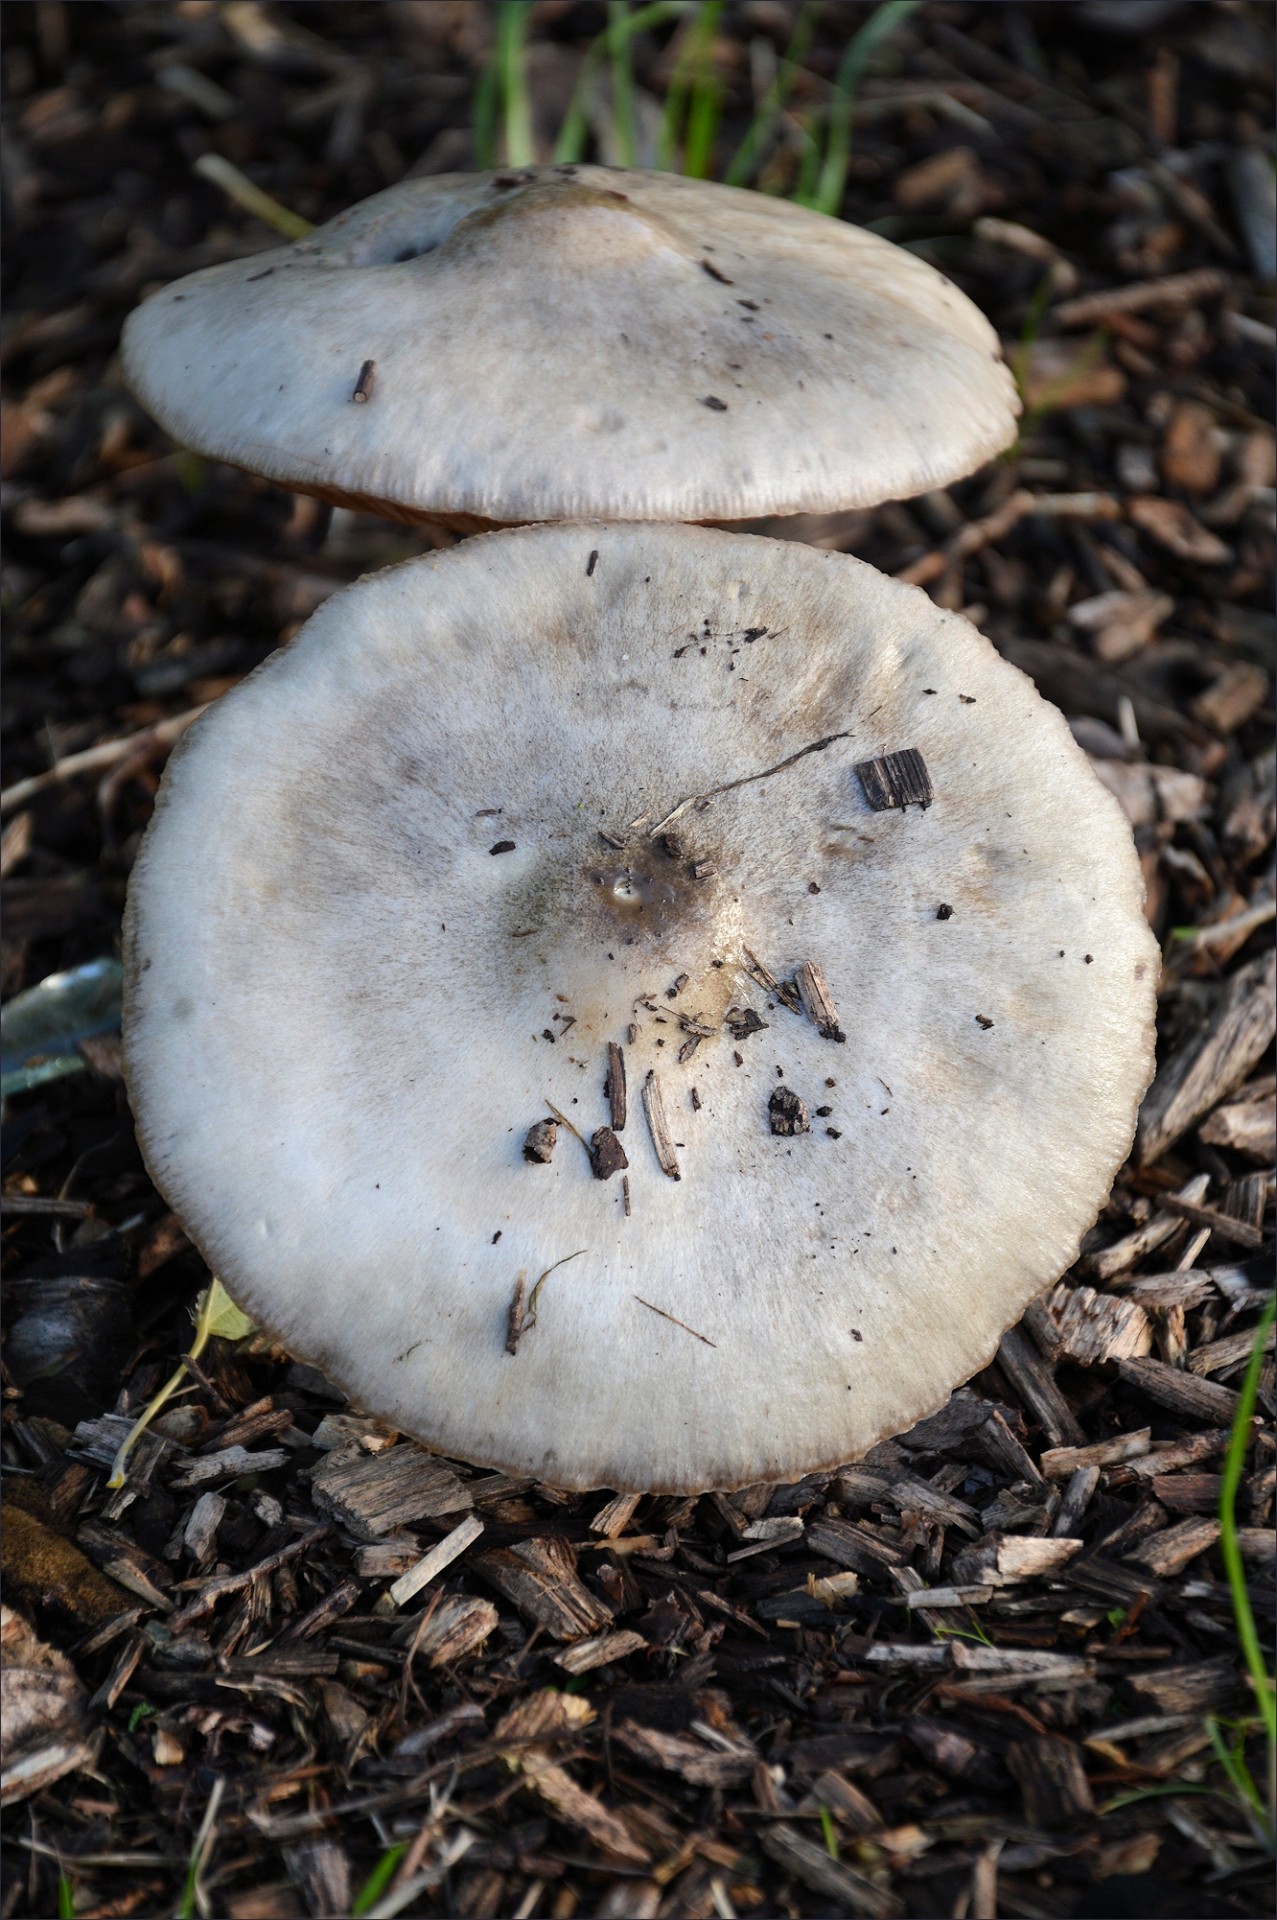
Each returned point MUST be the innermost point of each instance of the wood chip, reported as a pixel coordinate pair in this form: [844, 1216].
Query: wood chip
[455, 1627]
[1000, 1560]
[1173, 291]
[659, 1127]
[1170, 1456]
[1188, 1492]
[1005, 1669]
[614, 1086]
[1052, 1781]
[321, 1870]
[44, 1713]
[1233, 697]
[765, 1535]
[1031, 1377]
[579, 1809]
[850, 1807]
[539, 1577]
[849, 1891]
[818, 1002]
[1233, 1351]
[1247, 1126]
[1091, 1327]
[1077, 1498]
[227, 1464]
[599, 1650]
[387, 1559]
[440, 1556]
[1210, 1063]
[1060, 1462]
[1170, 1552]
[352, 1430]
[1186, 1289]
[1200, 1688]
[543, 1717]
[1241, 1232]
[1004, 1448]
[613, 1518]
[1170, 523]
[1154, 1233]
[1183, 1393]
[919, 1598]
[372, 1495]
[200, 1535]
[127, 1563]
[852, 1545]
[895, 780]
[856, 1487]
[692, 1760]
[1119, 622]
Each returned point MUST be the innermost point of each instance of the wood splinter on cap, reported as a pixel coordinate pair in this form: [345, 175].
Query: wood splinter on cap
[813, 990]
[365, 383]
[742, 1021]
[896, 780]
[784, 990]
[523, 1305]
[659, 1126]
[614, 1086]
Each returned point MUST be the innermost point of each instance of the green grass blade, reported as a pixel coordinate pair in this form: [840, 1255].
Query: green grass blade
[66, 1898]
[378, 1880]
[808, 181]
[1233, 1761]
[483, 114]
[695, 96]
[745, 163]
[1230, 1548]
[574, 132]
[675, 106]
[877, 30]
[702, 125]
[620, 54]
[512, 34]
[186, 1906]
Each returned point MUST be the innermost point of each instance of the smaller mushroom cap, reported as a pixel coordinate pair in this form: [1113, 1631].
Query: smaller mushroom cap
[503, 814]
[577, 342]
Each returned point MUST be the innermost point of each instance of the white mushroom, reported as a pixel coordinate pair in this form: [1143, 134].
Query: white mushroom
[576, 341]
[504, 813]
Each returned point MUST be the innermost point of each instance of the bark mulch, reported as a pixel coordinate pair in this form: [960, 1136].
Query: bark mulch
[296, 1665]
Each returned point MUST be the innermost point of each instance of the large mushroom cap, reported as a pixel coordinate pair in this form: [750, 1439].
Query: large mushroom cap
[575, 341]
[498, 808]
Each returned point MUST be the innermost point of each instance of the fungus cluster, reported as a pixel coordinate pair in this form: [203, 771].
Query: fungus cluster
[646, 953]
